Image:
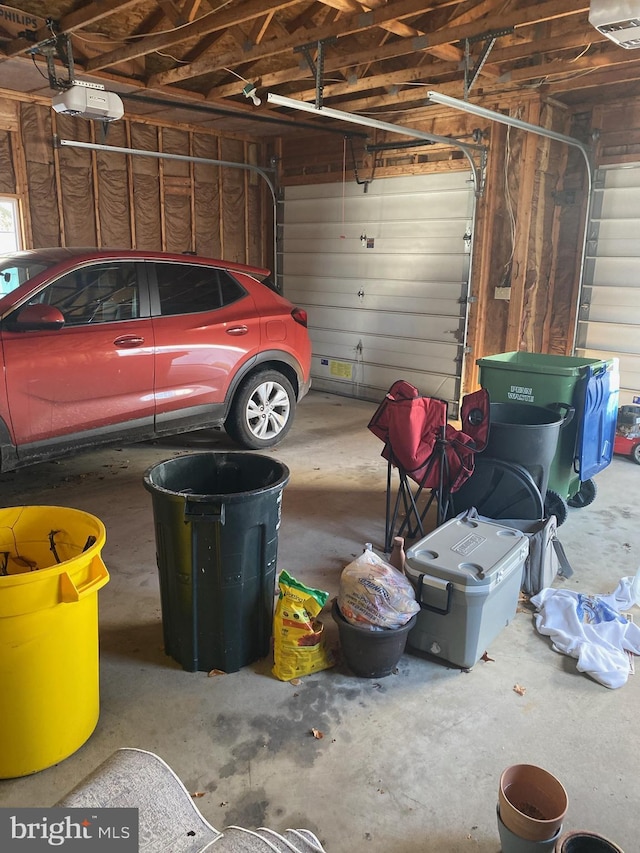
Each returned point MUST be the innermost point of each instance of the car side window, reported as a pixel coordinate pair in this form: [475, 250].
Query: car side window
[193, 288]
[96, 293]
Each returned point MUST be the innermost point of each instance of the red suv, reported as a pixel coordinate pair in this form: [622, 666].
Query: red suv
[101, 346]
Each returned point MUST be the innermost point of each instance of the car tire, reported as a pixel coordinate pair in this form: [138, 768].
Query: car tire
[635, 453]
[262, 411]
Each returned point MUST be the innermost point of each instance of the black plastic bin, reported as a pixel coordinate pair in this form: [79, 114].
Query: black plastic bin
[528, 436]
[216, 522]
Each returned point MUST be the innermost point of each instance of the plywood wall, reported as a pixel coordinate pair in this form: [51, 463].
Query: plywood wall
[82, 197]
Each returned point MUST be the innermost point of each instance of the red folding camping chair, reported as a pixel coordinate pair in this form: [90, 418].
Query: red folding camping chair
[427, 450]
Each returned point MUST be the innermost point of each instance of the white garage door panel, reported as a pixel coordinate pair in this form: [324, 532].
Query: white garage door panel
[370, 381]
[393, 304]
[419, 244]
[613, 271]
[601, 335]
[374, 289]
[621, 204]
[609, 317]
[402, 353]
[387, 267]
[613, 304]
[436, 229]
[429, 305]
[431, 328]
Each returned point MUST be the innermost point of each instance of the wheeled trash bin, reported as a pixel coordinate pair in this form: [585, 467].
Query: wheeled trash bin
[216, 518]
[585, 445]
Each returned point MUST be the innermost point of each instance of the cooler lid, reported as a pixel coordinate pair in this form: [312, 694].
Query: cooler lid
[467, 552]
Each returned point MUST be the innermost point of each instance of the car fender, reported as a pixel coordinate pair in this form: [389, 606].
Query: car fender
[276, 359]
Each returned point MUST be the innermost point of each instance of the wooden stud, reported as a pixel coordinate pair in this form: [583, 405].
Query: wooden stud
[130, 187]
[192, 199]
[56, 166]
[22, 189]
[163, 224]
[96, 190]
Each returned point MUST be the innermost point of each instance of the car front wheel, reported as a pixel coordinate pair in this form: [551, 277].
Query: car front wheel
[262, 411]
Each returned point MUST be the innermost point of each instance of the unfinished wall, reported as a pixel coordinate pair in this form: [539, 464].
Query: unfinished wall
[82, 197]
[527, 240]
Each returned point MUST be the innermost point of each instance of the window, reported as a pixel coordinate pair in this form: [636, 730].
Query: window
[98, 293]
[10, 238]
[192, 288]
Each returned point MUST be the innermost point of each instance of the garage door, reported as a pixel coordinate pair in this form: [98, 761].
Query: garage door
[384, 275]
[609, 316]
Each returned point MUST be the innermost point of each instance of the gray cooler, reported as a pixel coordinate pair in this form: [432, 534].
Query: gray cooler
[466, 575]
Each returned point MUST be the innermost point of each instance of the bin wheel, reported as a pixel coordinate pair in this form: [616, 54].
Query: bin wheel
[262, 410]
[585, 495]
[555, 504]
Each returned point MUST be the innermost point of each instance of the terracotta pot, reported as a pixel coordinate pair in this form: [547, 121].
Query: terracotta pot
[532, 802]
[585, 842]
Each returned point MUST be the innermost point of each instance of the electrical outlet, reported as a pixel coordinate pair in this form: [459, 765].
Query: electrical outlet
[502, 293]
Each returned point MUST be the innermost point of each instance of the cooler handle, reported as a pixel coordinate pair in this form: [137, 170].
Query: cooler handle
[202, 511]
[443, 611]
[98, 577]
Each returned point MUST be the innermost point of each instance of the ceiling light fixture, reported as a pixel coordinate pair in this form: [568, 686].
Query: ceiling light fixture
[249, 91]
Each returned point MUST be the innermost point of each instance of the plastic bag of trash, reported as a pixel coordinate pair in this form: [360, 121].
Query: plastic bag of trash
[373, 593]
[298, 637]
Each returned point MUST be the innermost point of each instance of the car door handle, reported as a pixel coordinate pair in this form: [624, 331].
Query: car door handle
[237, 330]
[129, 341]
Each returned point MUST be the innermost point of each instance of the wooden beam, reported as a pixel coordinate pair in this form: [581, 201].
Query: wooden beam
[549, 10]
[422, 72]
[204, 25]
[83, 17]
[347, 25]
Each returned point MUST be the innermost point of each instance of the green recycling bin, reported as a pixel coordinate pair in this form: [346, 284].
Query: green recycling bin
[589, 385]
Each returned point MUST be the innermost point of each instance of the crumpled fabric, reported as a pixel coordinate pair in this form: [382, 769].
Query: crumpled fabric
[592, 629]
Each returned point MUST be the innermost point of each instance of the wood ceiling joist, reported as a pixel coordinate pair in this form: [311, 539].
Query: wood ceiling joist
[523, 51]
[84, 17]
[337, 63]
[347, 25]
[222, 20]
[550, 10]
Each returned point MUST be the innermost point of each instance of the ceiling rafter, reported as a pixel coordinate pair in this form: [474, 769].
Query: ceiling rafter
[347, 25]
[83, 17]
[222, 20]
[378, 55]
[549, 10]
[337, 62]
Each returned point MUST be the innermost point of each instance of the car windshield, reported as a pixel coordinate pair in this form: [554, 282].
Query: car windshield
[15, 272]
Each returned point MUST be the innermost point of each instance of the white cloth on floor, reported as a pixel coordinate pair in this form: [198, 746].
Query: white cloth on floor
[592, 629]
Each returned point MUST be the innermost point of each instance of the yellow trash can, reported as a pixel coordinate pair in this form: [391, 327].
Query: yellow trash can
[50, 574]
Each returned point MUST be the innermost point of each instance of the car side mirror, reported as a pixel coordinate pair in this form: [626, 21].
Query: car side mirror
[37, 317]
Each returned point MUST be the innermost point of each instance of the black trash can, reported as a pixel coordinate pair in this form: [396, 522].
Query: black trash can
[527, 436]
[216, 518]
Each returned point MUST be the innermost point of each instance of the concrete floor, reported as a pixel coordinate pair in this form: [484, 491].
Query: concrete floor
[408, 762]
